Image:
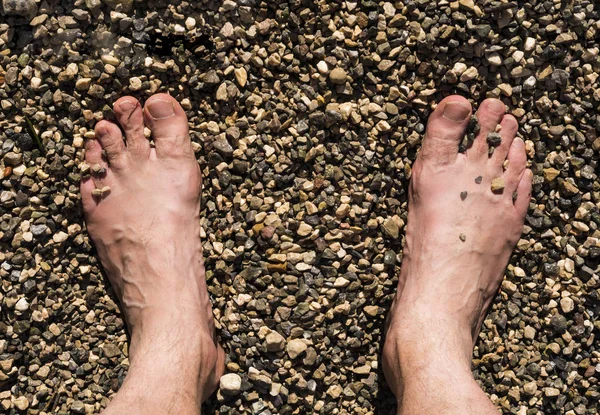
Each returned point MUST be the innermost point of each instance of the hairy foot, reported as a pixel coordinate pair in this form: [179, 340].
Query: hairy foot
[459, 236]
[142, 206]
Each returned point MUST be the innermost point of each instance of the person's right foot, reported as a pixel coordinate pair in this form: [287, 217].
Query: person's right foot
[459, 236]
[145, 225]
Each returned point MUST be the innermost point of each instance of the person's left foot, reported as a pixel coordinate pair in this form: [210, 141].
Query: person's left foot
[142, 208]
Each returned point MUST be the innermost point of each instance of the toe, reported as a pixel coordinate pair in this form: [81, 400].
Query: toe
[86, 188]
[490, 113]
[445, 130]
[131, 118]
[517, 162]
[93, 152]
[168, 123]
[110, 138]
[509, 127]
[523, 195]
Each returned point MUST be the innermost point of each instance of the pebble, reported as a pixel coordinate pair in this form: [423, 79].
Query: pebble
[241, 76]
[26, 8]
[295, 348]
[21, 403]
[338, 76]
[230, 384]
[275, 342]
[497, 185]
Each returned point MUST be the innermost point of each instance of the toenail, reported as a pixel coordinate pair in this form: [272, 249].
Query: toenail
[127, 105]
[497, 106]
[456, 111]
[160, 109]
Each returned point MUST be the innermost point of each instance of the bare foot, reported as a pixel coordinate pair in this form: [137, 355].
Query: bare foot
[459, 237]
[145, 227]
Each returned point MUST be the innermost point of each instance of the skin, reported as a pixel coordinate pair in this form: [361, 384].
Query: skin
[147, 233]
[447, 284]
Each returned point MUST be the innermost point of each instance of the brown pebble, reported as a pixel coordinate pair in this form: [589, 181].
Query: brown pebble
[498, 128]
[84, 168]
[7, 171]
[479, 179]
[98, 169]
[505, 164]
[105, 190]
[97, 192]
[497, 185]
[462, 237]
[463, 195]
[515, 196]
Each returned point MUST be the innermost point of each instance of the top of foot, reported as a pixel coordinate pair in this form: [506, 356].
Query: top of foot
[465, 215]
[142, 206]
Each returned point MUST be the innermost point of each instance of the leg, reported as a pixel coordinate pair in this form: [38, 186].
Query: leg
[459, 238]
[142, 206]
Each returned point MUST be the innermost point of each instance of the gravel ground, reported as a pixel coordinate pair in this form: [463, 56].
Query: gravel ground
[307, 116]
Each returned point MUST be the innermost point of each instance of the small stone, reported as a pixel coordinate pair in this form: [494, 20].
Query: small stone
[111, 350]
[372, 310]
[98, 170]
[550, 174]
[390, 228]
[60, 237]
[478, 179]
[463, 195]
[275, 342]
[78, 407]
[295, 348]
[568, 189]
[322, 67]
[338, 76]
[494, 139]
[223, 147]
[530, 388]
[497, 185]
[26, 8]
[22, 305]
[21, 403]
[230, 384]
[241, 76]
[222, 92]
[135, 83]
[470, 74]
[567, 304]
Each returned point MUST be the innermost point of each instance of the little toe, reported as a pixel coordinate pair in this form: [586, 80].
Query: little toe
[509, 127]
[517, 163]
[445, 130]
[87, 199]
[169, 125]
[130, 116]
[523, 193]
[110, 138]
[490, 113]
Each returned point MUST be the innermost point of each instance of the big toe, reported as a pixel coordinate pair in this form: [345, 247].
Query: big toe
[446, 129]
[169, 125]
[130, 116]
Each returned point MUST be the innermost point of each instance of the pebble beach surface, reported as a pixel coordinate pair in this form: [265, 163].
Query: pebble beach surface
[306, 119]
